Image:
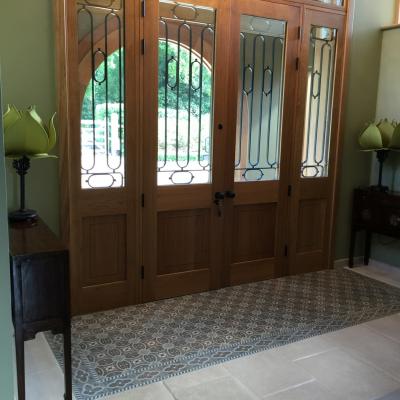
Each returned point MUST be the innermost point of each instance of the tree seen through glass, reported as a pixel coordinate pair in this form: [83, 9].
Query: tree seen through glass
[190, 105]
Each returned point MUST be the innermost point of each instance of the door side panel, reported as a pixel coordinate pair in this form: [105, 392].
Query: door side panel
[316, 150]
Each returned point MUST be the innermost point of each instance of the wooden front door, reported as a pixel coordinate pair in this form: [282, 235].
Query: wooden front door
[264, 47]
[200, 147]
[314, 170]
[184, 121]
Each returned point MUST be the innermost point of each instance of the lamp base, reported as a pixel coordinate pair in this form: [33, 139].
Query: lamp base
[22, 215]
[379, 188]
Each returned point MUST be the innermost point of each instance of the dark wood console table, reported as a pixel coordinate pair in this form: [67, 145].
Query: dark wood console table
[374, 212]
[40, 292]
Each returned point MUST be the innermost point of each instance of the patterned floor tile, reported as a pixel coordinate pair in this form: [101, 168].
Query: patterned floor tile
[118, 350]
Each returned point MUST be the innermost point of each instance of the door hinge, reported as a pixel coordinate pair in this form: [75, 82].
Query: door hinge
[289, 190]
[142, 199]
[300, 32]
[142, 272]
[286, 250]
[143, 8]
[297, 63]
[143, 45]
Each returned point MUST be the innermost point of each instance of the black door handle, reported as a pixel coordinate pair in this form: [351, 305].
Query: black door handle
[230, 195]
[219, 196]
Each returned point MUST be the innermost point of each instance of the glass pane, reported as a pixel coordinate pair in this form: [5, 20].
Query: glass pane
[101, 75]
[185, 93]
[318, 121]
[259, 123]
[334, 2]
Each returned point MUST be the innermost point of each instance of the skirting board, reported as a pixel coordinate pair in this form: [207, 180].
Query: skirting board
[359, 262]
[383, 272]
[344, 262]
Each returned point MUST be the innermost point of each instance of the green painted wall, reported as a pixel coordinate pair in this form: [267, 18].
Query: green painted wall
[6, 331]
[28, 74]
[360, 105]
[27, 50]
[386, 249]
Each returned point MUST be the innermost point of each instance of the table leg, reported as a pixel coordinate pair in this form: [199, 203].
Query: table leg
[352, 247]
[19, 350]
[67, 363]
[367, 250]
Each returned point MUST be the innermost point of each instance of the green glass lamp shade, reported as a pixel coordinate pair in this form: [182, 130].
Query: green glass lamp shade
[386, 130]
[395, 142]
[382, 136]
[371, 139]
[25, 134]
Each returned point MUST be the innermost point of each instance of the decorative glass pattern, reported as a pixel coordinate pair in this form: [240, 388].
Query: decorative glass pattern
[185, 93]
[318, 121]
[261, 82]
[102, 73]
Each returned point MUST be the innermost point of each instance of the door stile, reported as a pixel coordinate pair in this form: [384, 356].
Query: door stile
[288, 141]
[72, 142]
[221, 132]
[149, 69]
[134, 147]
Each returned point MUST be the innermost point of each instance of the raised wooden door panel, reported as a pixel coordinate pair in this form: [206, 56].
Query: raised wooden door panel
[184, 121]
[253, 243]
[105, 260]
[183, 240]
[263, 76]
[317, 142]
[102, 158]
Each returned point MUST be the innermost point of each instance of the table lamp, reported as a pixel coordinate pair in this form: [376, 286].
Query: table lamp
[381, 138]
[26, 137]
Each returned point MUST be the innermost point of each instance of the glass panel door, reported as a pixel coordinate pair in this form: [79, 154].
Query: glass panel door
[263, 73]
[185, 66]
[316, 151]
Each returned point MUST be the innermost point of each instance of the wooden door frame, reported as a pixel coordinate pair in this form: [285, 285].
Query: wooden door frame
[68, 106]
[350, 8]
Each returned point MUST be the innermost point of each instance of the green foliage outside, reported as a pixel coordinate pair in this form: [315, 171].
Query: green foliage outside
[113, 66]
[191, 105]
[170, 63]
[170, 100]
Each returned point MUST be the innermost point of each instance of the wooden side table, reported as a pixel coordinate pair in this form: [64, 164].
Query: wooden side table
[375, 213]
[40, 292]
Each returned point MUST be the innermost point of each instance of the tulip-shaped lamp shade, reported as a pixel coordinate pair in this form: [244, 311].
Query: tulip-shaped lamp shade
[381, 138]
[26, 137]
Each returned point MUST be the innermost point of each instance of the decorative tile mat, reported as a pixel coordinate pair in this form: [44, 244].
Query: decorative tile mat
[118, 350]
